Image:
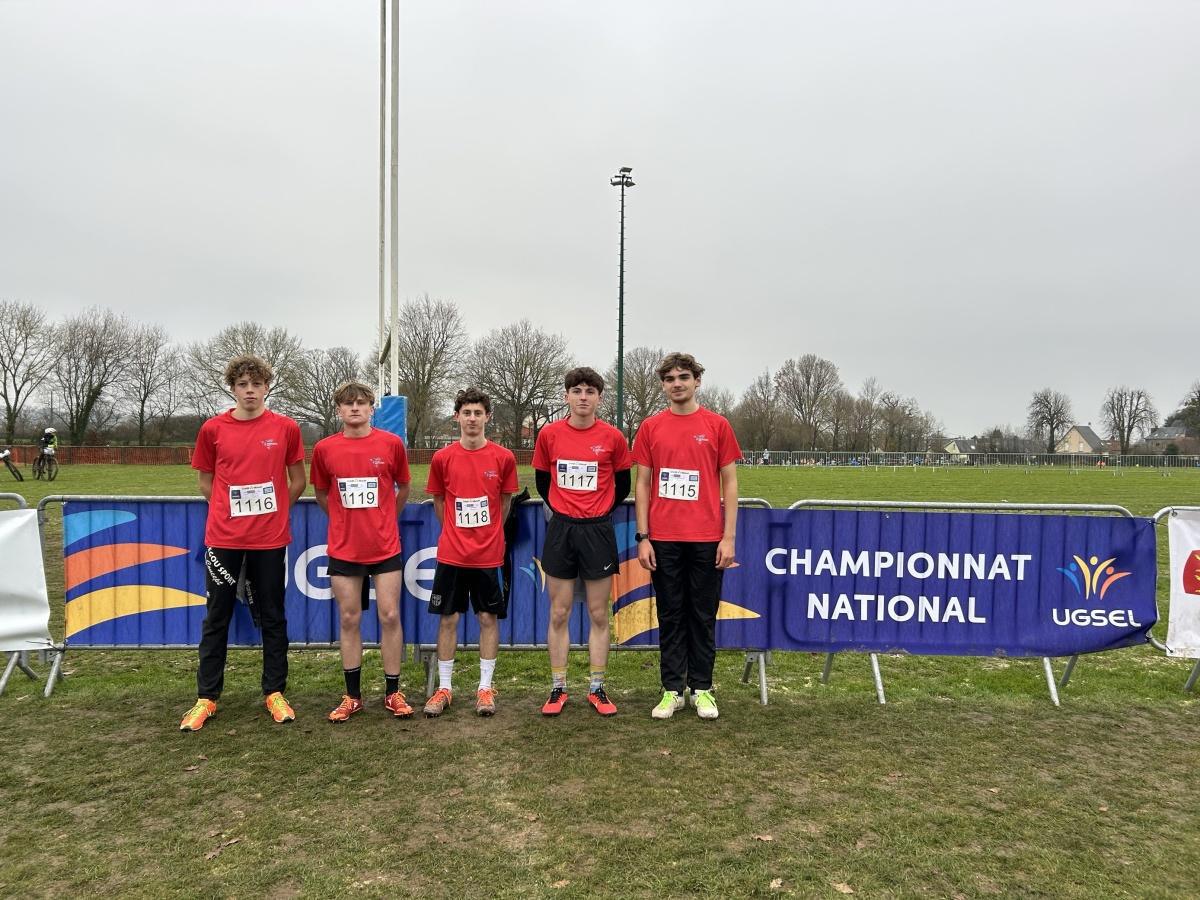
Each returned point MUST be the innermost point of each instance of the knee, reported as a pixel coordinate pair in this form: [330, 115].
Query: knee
[351, 619]
[487, 622]
[389, 619]
[559, 616]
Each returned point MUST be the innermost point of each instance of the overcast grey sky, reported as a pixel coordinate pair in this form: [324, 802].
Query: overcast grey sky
[967, 200]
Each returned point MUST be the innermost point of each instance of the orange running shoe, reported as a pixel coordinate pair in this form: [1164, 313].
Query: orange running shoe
[348, 707]
[279, 709]
[198, 715]
[436, 705]
[485, 702]
[398, 705]
[600, 702]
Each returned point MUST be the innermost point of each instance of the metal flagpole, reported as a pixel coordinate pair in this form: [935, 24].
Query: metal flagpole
[382, 180]
[395, 196]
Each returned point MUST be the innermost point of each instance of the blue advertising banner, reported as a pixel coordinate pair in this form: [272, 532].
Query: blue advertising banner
[817, 580]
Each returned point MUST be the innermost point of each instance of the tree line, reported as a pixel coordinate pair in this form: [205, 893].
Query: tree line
[99, 376]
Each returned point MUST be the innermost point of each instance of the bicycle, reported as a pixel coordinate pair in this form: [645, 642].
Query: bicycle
[6, 455]
[45, 466]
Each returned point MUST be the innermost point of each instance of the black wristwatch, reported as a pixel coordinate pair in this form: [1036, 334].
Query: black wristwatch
[639, 537]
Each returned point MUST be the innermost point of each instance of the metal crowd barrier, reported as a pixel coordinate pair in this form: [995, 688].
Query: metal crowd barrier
[1047, 668]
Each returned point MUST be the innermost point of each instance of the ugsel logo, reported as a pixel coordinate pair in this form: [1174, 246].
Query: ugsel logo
[1092, 580]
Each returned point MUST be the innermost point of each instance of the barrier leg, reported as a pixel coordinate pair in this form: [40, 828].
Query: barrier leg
[12, 664]
[749, 665]
[878, 678]
[55, 672]
[1066, 675]
[762, 677]
[430, 670]
[23, 664]
[1050, 680]
[828, 668]
[1191, 682]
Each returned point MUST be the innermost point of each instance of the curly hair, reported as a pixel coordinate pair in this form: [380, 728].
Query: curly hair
[248, 364]
[684, 361]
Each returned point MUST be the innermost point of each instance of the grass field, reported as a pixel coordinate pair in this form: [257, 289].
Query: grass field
[968, 783]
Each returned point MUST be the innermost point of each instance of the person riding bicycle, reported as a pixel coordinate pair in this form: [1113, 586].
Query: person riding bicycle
[49, 441]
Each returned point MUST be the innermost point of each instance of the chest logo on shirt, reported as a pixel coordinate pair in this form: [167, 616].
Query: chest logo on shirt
[490, 473]
[270, 443]
[701, 438]
[598, 449]
[377, 462]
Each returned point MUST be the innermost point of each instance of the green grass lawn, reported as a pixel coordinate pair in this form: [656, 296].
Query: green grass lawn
[967, 783]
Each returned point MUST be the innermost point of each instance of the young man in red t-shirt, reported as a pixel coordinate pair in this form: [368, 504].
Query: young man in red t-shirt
[251, 467]
[472, 482]
[582, 470]
[361, 479]
[686, 527]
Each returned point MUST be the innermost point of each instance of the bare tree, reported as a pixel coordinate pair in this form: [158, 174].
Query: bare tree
[717, 399]
[806, 386]
[98, 343]
[430, 346]
[840, 419]
[864, 419]
[1049, 417]
[28, 351]
[759, 415]
[206, 361]
[1126, 410]
[643, 391]
[521, 368]
[153, 366]
[316, 376]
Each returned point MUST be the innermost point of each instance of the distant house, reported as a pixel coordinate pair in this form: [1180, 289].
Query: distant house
[962, 445]
[1159, 439]
[1080, 439]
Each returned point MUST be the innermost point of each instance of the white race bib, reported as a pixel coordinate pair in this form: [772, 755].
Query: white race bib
[471, 512]
[252, 499]
[359, 493]
[679, 484]
[577, 475]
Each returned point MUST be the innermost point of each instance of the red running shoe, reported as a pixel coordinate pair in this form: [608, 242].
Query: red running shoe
[601, 703]
[553, 706]
[344, 710]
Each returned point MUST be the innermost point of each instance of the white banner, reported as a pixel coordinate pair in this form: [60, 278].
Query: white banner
[1183, 629]
[24, 604]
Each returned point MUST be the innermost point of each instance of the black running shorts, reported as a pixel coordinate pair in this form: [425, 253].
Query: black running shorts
[577, 548]
[353, 569]
[457, 588]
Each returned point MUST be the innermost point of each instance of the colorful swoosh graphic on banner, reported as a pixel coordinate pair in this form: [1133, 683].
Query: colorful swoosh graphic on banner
[101, 577]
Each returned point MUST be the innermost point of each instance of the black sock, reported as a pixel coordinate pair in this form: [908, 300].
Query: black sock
[353, 681]
[391, 683]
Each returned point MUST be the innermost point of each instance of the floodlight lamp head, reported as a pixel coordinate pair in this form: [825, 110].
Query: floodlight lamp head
[625, 170]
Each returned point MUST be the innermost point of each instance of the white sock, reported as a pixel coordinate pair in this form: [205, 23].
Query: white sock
[445, 671]
[487, 668]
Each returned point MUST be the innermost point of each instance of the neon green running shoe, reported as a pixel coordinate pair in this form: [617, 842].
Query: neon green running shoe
[671, 701]
[705, 703]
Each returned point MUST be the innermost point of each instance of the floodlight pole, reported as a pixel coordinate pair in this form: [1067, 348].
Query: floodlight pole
[622, 179]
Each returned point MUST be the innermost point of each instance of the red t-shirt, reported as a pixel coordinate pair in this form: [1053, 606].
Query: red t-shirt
[248, 459]
[685, 455]
[470, 483]
[361, 475]
[581, 463]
